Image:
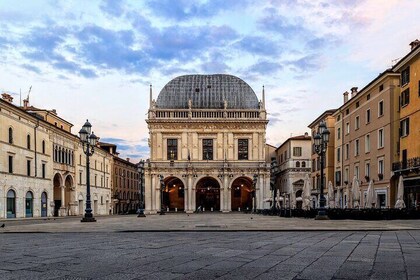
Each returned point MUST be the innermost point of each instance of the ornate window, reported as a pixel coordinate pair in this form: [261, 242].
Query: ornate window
[207, 149]
[297, 164]
[242, 149]
[172, 149]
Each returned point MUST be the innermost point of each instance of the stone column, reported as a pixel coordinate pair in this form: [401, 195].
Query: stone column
[156, 191]
[63, 201]
[190, 207]
[148, 182]
[225, 193]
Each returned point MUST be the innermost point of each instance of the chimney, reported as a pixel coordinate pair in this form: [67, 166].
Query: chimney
[54, 111]
[414, 44]
[353, 91]
[25, 103]
[128, 159]
[346, 97]
[306, 134]
[7, 97]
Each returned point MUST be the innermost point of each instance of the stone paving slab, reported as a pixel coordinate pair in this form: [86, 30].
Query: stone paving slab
[202, 222]
[293, 255]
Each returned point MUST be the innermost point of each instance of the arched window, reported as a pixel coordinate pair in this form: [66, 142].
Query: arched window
[72, 158]
[62, 156]
[28, 142]
[29, 204]
[11, 204]
[303, 163]
[43, 146]
[80, 159]
[10, 135]
[297, 164]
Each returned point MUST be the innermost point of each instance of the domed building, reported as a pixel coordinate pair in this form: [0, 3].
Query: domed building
[207, 146]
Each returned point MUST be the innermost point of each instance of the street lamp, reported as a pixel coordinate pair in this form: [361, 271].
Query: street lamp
[254, 188]
[89, 141]
[141, 191]
[320, 144]
[162, 188]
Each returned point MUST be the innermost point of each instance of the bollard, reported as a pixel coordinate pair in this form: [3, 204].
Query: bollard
[239, 209]
[211, 209]
[176, 209]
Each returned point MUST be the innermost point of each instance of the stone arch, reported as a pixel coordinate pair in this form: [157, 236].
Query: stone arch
[69, 194]
[174, 193]
[207, 189]
[197, 179]
[241, 193]
[58, 182]
[11, 196]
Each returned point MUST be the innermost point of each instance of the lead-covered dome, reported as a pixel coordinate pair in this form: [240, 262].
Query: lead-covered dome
[207, 92]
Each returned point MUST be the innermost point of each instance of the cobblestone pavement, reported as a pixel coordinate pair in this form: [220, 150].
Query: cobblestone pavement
[199, 222]
[210, 255]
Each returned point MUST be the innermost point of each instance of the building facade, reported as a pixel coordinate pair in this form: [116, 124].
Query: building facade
[367, 140]
[294, 160]
[40, 158]
[328, 160]
[126, 182]
[207, 144]
[408, 164]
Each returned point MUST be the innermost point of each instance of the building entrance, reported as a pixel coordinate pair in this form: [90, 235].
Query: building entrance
[242, 194]
[173, 194]
[208, 194]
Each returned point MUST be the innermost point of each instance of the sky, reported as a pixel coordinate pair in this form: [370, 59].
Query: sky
[96, 59]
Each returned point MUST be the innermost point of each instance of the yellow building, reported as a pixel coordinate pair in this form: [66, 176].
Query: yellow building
[207, 146]
[328, 161]
[409, 159]
[366, 137]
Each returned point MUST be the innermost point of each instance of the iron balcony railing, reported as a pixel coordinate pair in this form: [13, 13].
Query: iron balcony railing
[411, 163]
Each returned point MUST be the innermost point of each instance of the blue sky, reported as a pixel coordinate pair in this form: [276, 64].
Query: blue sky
[96, 59]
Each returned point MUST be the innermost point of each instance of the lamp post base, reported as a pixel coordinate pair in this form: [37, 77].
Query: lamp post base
[88, 219]
[141, 214]
[322, 215]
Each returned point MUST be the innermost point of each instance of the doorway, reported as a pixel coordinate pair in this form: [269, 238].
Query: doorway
[208, 194]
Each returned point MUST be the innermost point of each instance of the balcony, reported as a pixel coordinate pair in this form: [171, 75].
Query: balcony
[207, 114]
[412, 164]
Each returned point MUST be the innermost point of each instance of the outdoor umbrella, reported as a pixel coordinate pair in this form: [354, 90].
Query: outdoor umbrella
[337, 199]
[306, 193]
[356, 193]
[370, 198]
[331, 197]
[400, 195]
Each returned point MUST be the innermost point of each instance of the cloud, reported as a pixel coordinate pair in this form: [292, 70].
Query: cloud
[258, 45]
[112, 7]
[305, 64]
[31, 68]
[275, 22]
[182, 10]
[265, 67]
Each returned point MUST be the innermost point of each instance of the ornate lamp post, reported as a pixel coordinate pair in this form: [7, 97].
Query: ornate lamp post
[254, 189]
[89, 141]
[141, 190]
[162, 188]
[321, 142]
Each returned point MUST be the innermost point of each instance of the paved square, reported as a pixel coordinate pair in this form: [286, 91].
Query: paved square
[211, 255]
